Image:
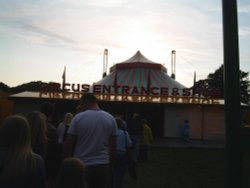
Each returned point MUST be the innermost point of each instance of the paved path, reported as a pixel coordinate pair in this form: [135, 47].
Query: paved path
[172, 142]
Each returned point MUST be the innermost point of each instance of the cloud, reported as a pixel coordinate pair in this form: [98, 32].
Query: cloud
[244, 8]
[107, 3]
[244, 31]
[52, 36]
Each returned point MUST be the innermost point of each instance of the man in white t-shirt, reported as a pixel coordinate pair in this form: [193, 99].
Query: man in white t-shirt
[91, 137]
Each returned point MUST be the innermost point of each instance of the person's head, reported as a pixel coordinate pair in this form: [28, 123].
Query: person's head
[15, 143]
[37, 122]
[71, 174]
[15, 134]
[67, 118]
[47, 109]
[144, 121]
[118, 122]
[88, 100]
[135, 116]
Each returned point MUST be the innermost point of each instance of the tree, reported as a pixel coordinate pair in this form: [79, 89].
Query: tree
[215, 81]
[31, 86]
[4, 87]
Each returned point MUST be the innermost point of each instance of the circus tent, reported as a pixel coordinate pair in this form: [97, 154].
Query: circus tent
[138, 71]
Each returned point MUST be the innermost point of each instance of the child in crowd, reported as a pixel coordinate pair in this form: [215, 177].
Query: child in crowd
[185, 130]
[71, 174]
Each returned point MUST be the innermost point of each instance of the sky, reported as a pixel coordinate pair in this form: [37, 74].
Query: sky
[38, 38]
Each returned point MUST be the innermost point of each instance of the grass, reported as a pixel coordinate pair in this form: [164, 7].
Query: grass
[184, 168]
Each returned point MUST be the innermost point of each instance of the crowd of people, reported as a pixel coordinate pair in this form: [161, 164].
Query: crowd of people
[90, 149]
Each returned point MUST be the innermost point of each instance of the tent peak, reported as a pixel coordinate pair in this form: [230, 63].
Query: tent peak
[138, 57]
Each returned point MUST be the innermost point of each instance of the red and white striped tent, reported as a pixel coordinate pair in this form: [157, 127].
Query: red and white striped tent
[138, 71]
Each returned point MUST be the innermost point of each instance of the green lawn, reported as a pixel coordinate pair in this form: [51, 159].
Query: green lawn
[184, 168]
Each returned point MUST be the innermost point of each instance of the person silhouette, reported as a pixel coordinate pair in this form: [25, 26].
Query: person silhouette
[71, 174]
[185, 130]
[19, 166]
[91, 138]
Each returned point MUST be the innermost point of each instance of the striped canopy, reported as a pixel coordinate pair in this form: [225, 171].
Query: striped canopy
[138, 71]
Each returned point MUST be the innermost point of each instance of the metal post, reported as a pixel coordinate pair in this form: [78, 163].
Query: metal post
[232, 94]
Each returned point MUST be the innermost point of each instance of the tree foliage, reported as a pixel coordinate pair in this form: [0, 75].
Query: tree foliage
[31, 86]
[4, 87]
[215, 80]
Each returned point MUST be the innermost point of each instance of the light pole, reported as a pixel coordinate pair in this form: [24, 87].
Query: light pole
[232, 94]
